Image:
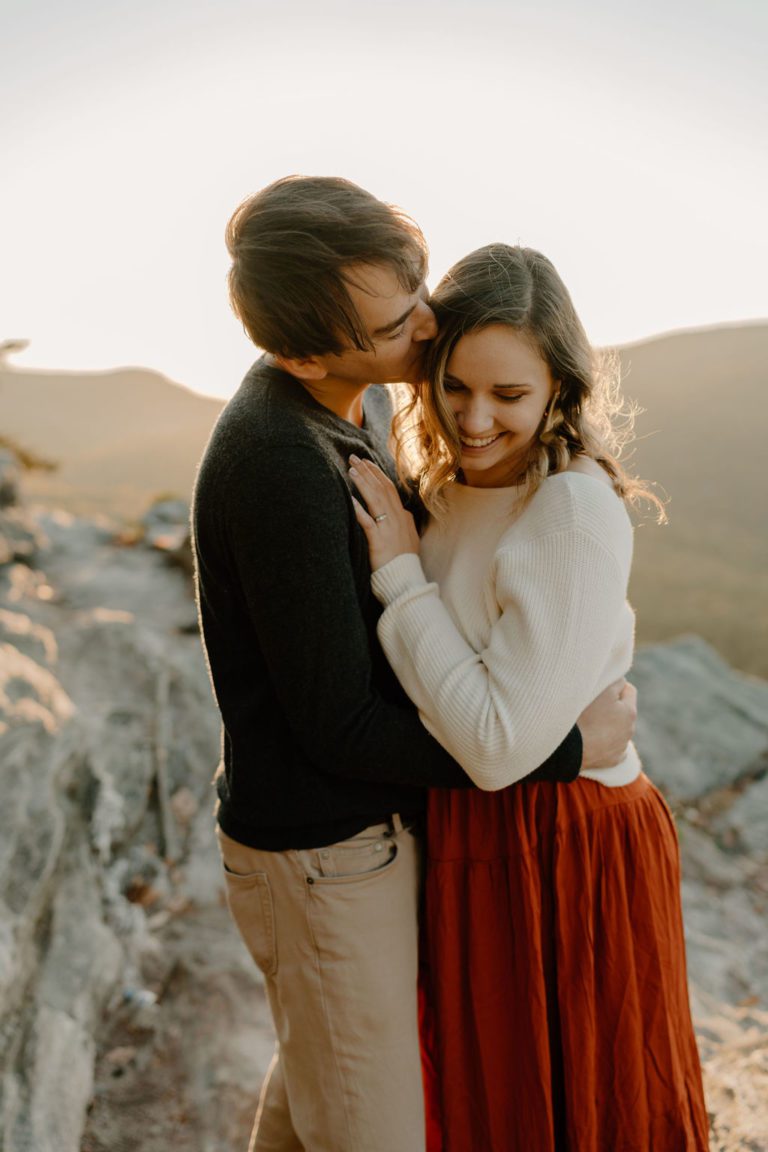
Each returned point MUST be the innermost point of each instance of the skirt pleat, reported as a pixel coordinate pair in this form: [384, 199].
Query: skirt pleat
[555, 989]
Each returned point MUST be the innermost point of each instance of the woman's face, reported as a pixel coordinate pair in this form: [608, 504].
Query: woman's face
[498, 388]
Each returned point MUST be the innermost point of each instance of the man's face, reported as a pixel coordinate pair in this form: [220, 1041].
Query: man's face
[399, 323]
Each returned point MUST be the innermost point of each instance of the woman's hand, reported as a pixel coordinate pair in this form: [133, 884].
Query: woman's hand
[389, 529]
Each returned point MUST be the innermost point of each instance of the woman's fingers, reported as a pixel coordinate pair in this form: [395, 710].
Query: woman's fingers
[372, 474]
[365, 521]
[389, 528]
[378, 491]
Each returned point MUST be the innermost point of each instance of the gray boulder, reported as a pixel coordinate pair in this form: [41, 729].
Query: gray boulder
[743, 825]
[166, 525]
[106, 715]
[701, 725]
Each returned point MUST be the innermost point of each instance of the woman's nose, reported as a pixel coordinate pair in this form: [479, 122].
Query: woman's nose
[474, 417]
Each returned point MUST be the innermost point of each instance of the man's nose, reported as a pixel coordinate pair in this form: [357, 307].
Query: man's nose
[425, 327]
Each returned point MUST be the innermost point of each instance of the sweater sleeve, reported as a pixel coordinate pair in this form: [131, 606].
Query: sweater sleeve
[501, 711]
[288, 521]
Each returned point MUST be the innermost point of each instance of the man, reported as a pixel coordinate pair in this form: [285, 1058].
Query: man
[325, 761]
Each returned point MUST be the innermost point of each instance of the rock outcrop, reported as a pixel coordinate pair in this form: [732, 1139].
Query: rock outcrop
[108, 738]
[120, 976]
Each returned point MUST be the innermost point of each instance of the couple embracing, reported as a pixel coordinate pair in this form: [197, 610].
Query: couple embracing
[439, 845]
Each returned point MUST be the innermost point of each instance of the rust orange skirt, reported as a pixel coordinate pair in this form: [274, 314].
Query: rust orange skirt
[555, 993]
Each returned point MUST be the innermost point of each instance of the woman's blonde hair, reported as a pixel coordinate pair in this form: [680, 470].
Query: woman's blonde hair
[586, 416]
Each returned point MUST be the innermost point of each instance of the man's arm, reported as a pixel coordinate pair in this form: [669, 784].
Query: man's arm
[608, 724]
[564, 765]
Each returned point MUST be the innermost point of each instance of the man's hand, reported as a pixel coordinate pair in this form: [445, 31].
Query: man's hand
[607, 726]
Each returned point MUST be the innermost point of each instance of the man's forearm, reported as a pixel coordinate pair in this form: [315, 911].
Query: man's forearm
[564, 764]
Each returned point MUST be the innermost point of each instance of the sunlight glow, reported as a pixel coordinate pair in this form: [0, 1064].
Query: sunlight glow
[625, 146]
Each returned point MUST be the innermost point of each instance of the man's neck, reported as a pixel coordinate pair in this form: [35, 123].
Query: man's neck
[341, 397]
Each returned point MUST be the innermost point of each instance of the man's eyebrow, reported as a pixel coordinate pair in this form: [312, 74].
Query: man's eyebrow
[395, 323]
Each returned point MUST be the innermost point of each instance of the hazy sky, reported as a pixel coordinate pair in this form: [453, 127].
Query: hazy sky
[626, 140]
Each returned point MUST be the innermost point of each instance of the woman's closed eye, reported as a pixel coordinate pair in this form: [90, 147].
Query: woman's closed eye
[455, 387]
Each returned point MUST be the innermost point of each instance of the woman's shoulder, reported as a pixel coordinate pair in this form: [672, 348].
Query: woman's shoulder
[586, 466]
[582, 500]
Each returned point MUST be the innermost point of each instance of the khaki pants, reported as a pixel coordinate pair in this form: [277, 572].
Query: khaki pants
[334, 932]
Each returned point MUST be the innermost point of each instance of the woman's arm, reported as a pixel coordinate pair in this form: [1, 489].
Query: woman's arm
[561, 590]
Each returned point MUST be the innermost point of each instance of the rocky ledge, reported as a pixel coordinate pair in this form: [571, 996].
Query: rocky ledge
[131, 1016]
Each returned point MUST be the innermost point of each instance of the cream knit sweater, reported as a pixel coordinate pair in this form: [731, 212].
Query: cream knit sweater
[515, 622]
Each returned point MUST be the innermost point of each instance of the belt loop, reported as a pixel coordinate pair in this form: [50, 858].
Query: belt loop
[397, 824]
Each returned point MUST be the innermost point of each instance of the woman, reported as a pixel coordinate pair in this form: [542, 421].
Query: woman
[553, 922]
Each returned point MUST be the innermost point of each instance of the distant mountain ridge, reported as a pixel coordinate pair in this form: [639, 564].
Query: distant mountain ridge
[120, 438]
[123, 437]
[702, 439]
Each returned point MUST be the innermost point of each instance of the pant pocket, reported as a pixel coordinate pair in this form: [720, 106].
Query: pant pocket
[351, 859]
[250, 901]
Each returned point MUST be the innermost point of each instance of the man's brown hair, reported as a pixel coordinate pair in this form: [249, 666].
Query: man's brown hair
[292, 246]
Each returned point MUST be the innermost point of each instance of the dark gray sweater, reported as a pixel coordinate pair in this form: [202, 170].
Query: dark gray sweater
[319, 738]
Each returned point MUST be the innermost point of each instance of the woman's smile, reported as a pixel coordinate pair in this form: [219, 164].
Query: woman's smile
[478, 443]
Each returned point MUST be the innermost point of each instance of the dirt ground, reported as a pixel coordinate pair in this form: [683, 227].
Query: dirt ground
[184, 1073]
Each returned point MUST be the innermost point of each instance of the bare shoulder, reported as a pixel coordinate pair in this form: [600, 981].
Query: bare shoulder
[589, 467]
